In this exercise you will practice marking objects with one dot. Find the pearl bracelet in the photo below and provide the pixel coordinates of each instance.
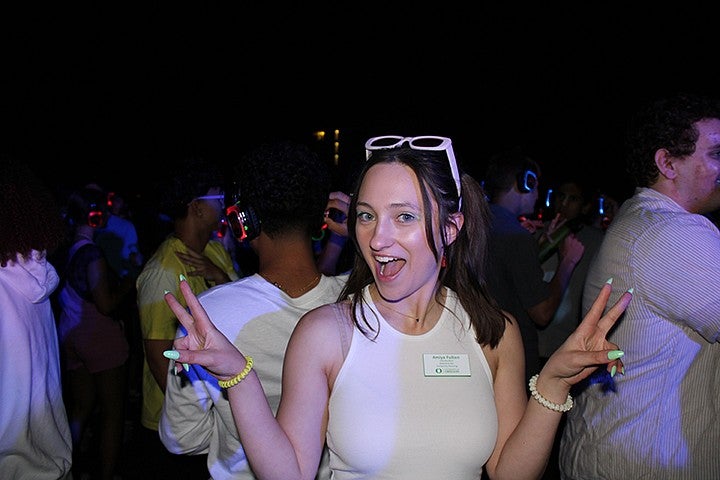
(240, 376)
(544, 401)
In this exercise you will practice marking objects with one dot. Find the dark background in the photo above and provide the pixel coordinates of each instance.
(118, 92)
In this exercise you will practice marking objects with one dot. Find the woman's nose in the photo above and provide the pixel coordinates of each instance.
(382, 236)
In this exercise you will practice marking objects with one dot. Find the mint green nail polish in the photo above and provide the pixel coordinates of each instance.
(182, 277)
(613, 371)
(186, 366)
(609, 281)
(165, 292)
(622, 369)
(615, 354)
(631, 290)
(171, 354)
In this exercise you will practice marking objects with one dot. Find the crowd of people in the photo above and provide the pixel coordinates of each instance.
(256, 349)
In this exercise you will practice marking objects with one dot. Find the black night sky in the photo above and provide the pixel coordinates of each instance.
(116, 92)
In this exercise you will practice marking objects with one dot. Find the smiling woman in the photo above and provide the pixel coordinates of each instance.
(414, 322)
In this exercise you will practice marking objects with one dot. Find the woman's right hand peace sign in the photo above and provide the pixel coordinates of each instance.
(204, 344)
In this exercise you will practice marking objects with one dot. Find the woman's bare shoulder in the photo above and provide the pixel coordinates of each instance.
(326, 321)
(327, 313)
(326, 331)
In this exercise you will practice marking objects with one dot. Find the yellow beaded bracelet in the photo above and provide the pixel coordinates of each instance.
(544, 401)
(240, 376)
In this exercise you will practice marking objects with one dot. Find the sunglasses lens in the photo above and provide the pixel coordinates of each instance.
(427, 142)
(385, 142)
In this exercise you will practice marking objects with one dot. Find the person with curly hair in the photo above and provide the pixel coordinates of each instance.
(35, 439)
(660, 419)
(284, 191)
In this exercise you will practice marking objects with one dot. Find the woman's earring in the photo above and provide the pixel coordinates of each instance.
(443, 261)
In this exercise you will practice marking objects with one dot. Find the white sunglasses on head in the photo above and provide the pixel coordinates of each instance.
(425, 142)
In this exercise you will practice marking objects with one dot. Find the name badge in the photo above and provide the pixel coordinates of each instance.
(446, 364)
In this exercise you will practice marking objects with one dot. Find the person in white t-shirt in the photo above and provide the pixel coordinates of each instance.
(284, 192)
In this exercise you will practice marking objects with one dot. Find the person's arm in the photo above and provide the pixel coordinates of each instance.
(330, 255)
(685, 285)
(291, 445)
(526, 428)
(157, 363)
(107, 295)
(338, 233)
(571, 251)
(201, 266)
(131, 251)
(157, 322)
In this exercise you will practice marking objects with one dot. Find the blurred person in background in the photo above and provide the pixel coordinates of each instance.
(35, 439)
(515, 276)
(333, 252)
(572, 207)
(575, 206)
(94, 345)
(118, 240)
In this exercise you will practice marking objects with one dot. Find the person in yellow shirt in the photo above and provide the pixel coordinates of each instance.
(195, 202)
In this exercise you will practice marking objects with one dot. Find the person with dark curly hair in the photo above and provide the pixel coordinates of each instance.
(284, 191)
(660, 419)
(35, 440)
(193, 198)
